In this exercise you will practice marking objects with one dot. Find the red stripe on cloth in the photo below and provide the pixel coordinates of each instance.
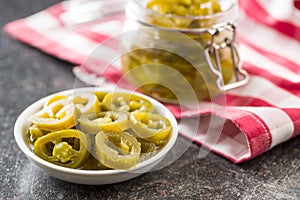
(113, 74)
(101, 39)
(56, 10)
(231, 99)
(96, 37)
(287, 85)
(38, 40)
(271, 55)
(234, 100)
(176, 110)
(297, 4)
(257, 132)
(255, 11)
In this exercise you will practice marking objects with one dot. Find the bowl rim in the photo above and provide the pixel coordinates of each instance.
(19, 135)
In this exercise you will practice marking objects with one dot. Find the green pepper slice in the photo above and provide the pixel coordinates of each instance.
(100, 95)
(54, 98)
(117, 150)
(149, 126)
(185, 7)
(87, 102)
(36, 132)
(105, 121)
(67, 148)
(118, 101)
(59, 115)
(148, 149)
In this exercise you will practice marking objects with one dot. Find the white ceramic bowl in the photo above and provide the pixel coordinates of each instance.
(91, 177)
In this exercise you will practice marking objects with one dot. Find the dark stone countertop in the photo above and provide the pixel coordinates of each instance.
(27, 75)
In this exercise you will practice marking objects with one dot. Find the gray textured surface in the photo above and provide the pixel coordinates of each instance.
(27, 74)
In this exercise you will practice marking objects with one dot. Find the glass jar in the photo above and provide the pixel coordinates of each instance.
(166, 53)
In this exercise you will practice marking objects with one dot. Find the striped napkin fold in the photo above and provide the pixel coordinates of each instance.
(258, 116)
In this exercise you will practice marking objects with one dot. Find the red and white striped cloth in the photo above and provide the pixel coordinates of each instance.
(259, 115)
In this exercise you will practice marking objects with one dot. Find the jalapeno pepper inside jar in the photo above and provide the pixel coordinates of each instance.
(160, 27)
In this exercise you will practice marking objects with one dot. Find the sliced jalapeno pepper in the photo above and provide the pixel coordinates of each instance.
(118, 101)
(87, 103)
(100, 95)
(54, 98)
(149, 126)
(67, 148)
(59, 115)
(118, 150)
(36, 132)
(184, 7)
(148, 149)
(105, 121)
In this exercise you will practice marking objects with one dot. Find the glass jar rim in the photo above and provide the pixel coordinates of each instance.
(231, 7)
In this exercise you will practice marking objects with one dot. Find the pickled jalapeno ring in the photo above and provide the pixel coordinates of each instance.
(87, 102)
(118, 101)
(67, 148)
(149, 126)
(105, 121)
(148, 149)
(185, 7)
(59, 115)
(171, 12)
(36, 132)
(117, 150)
(100, 95)
(55, 98)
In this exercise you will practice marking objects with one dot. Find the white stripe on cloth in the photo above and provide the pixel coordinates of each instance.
(108, 28)
(204, 107)
(64, 37)
(42, 21)
(68, 38)
(235, 147)
(263, 89)
(251, 56)
(282, 10)
(280, 124)
(268, 39)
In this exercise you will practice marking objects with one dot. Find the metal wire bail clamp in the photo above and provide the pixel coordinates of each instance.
(212, 51)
